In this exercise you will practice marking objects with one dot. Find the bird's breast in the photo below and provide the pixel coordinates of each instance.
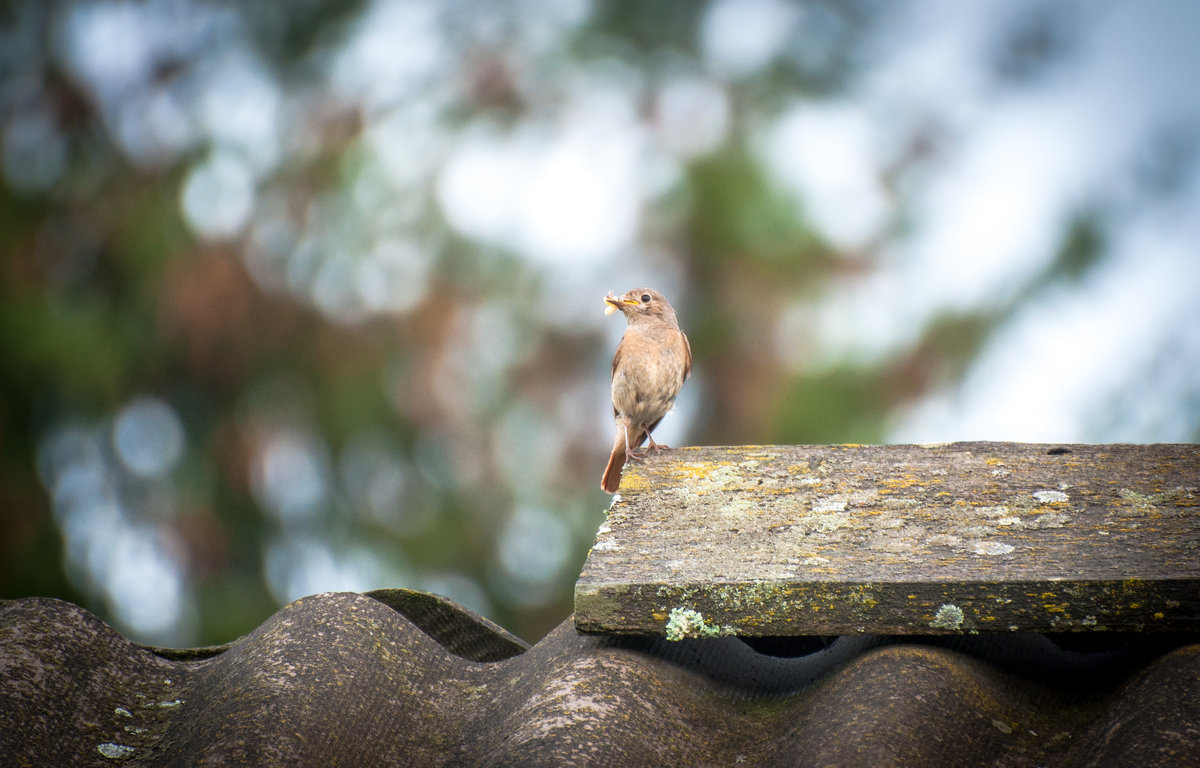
(649, 375)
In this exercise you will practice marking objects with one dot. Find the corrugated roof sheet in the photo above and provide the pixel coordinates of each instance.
(404, 678)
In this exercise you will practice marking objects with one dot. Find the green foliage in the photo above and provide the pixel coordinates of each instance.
(842, 405)
(738, 215)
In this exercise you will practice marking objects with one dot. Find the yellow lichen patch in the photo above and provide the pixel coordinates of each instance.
(695, 477)
(900, 483)
(701, 470)
(635, 481)
(1133, 586)
(864, 596)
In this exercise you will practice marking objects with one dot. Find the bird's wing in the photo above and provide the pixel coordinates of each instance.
(687, 356)
(616, 360)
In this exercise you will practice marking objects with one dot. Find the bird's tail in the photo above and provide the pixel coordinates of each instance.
(611, 481)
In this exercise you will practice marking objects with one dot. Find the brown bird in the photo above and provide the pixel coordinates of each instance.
(652, 362)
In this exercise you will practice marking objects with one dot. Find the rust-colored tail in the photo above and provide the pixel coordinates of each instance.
(611, 481)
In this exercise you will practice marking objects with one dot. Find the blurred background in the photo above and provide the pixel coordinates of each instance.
(306, 296)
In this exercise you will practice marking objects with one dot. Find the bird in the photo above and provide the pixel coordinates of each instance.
(652, 361)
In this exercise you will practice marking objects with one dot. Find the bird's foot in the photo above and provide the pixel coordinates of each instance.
(656, 447)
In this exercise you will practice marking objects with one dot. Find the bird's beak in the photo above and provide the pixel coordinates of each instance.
(611, 303)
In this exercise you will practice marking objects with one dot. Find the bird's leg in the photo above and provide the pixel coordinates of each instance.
(631, 454)
(655, 447)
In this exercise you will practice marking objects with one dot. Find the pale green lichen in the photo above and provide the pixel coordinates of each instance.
(829, 505)
(1051, 497)
(992, 548)
(686, 622)
(1051, 520)
(1171, 496)
(738, 507)
(948, 616)
(114, 751)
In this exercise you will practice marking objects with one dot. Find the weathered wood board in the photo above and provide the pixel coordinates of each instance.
(899, 539)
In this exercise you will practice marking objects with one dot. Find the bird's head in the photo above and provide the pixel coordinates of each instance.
(640, 304)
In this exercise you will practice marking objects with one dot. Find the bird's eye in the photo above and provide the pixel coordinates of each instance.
(645, 298)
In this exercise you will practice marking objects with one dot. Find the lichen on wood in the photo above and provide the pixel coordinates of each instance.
(842, 539)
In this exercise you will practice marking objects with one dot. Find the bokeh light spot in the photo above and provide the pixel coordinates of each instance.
(740, 37)
(148, 437)
(218, 196)
(533, 547)
(291, 475)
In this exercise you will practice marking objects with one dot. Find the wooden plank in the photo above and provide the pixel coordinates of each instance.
(899, 539)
